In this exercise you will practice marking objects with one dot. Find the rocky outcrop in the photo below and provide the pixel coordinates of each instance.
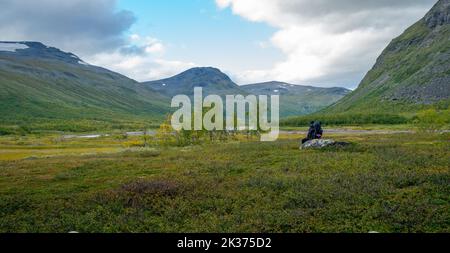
(439, 15)
(413, 70)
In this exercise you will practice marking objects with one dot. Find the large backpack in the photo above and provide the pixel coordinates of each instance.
(318, 129)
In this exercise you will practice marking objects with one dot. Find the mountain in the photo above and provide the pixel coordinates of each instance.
(45, 88)
(413, 71)
(41, 83)
(296, 99)
(212, 80)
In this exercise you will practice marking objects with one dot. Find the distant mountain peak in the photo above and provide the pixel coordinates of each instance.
(204, 70)
(37, 50)
(209, 72)
(212, 80)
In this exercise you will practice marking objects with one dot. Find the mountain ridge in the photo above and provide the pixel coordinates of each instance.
(412, 72)
(297, 99)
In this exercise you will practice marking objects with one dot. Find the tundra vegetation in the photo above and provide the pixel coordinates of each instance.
(165, 183)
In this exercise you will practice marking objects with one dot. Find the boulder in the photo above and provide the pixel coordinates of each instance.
(321, 143)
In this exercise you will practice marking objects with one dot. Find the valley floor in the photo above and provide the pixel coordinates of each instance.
(385, 182)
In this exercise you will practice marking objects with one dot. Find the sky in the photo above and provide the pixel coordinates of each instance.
(322, 42)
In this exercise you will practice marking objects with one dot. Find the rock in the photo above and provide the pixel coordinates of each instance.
(322, 143)
(318, 143)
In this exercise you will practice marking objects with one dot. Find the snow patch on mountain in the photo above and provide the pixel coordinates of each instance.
(12, 47)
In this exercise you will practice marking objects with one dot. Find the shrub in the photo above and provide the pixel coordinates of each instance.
(6, 131)
(165, 134)
(432, 120)
(157, 187)
(142, 193)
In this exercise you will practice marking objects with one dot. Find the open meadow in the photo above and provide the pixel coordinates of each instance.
(382, 182)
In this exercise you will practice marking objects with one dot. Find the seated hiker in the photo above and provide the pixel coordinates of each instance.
(315, 131)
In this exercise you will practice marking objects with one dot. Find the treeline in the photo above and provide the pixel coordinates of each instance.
(346, 119)
(433, 118)
(385, 114)
(73, 126)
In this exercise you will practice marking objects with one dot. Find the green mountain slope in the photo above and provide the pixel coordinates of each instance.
(40, 83)
(296, 99)
(411, 73)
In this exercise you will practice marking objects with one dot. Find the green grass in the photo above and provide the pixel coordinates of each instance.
(386, 183)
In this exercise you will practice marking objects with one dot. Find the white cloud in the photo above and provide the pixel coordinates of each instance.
(326, 42)
(94, 30)
(156, 48)
(81, 26)
(148, 44)
(135, 37)
(142, 60)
